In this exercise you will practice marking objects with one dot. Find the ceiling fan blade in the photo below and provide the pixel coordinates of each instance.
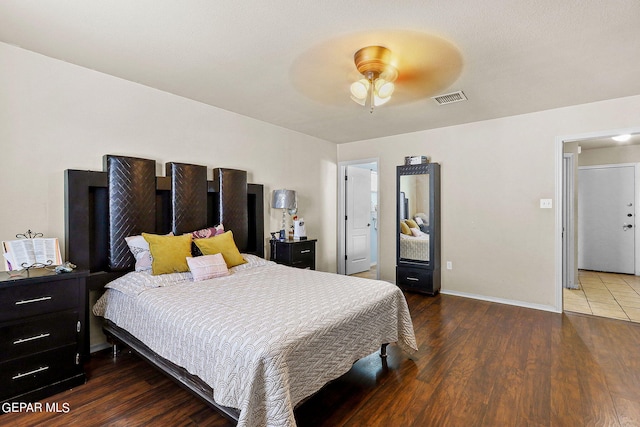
(427, 64)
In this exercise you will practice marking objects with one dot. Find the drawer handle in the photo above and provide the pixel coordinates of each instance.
(29, 301)
(305, 251)
(37, 337)
(26, 374)
(414, 279)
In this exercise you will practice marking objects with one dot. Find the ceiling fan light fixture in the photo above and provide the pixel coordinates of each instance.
(360, 89)
(361, 101)
(377, 101)
(374, 63)
(384, 89)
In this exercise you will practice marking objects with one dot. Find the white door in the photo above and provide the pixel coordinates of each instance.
(606, 218)
(358, 221)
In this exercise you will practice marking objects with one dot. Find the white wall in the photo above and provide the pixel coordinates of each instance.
(494, 174)
(56, 116)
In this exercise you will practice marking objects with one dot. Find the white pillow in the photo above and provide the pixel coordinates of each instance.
(207, 267)
(139, 247)
(140, 250)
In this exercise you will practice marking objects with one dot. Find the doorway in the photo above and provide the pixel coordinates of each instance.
(606, 205)
(358, 218)
(599, 287)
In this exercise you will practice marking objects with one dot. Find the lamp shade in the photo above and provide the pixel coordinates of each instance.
(283, 199)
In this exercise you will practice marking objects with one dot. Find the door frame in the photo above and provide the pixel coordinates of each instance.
(569, 235)
(342, 194)
(559, 193)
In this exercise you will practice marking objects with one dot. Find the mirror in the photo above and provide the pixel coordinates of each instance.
(414, 211)
(418, 241)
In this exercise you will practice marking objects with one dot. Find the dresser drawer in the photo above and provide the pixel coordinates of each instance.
(21, 338)
(295, 253)
(20, 301)
(31, 372)
(415, 279)
(303, 254)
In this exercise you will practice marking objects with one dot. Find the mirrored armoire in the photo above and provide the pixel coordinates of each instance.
(418, 234)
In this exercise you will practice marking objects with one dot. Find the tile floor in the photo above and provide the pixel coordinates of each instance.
(610, 295)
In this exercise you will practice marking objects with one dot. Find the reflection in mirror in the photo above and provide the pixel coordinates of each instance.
(414, 209)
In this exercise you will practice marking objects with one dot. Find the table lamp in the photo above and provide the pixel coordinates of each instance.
(285, 200)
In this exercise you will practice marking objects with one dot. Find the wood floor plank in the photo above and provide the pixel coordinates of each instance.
(566, 403)
(479, 364)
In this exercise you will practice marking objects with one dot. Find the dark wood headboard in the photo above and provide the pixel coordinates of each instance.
(101, 208)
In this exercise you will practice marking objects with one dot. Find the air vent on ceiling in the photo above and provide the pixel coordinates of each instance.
(450, 98)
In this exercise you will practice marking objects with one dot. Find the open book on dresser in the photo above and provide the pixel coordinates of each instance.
(21, 253)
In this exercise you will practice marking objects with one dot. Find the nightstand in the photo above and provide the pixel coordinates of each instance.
(294, 253)
(43, 333)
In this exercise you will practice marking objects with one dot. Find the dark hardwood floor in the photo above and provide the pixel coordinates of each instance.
(479, 364)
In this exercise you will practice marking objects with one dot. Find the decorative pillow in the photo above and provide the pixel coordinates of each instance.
(140, 250)
(411, 223)
(404, 228)
(416, 232)
(222, 244)
(207, 232)
(423, 217)
(207, 267)
(169, 253)
(418, 220)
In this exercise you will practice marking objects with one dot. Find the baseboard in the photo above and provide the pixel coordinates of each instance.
(502, 301)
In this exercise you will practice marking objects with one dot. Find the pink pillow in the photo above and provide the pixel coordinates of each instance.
(416, 232)
(207, 267)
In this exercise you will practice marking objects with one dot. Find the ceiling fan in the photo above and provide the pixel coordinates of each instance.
(369, 68)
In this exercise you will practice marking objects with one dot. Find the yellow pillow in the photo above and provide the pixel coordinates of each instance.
(221, 244)
(404, 228)
(411, 223)
(169, 253)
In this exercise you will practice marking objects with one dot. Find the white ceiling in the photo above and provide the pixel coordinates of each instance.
(595, 143)
(258, 58)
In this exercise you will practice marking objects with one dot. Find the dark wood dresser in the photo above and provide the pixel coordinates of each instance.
(294, 253)
(43, 333)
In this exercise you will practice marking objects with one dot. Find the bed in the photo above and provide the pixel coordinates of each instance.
(414, 247)
(252, 344)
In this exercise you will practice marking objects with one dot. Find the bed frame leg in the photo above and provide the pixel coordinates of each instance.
(114, 344)
(383, 351)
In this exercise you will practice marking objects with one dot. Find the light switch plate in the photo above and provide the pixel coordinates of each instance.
(546, 203)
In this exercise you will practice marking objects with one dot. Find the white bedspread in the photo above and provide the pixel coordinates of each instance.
(414, 247)
(265, 337)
